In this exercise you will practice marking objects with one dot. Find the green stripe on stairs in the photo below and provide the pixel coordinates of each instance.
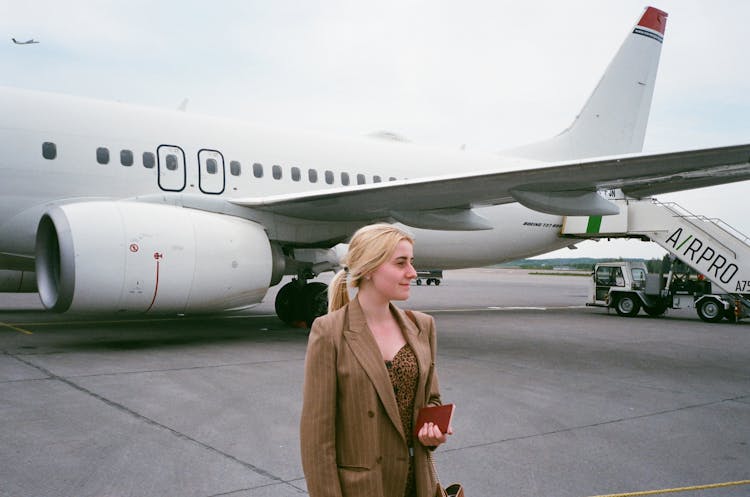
(595, 222)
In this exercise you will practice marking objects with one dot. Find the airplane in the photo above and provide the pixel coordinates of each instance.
(108, 207)
(27, 42)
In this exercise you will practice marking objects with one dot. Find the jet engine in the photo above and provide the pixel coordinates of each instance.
(106, 256)
(17, 281)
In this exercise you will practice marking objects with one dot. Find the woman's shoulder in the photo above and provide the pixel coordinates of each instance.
(331, 322)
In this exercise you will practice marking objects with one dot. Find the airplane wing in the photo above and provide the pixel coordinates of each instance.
(563, 188)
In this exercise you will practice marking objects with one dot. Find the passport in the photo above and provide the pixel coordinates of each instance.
(440, 415)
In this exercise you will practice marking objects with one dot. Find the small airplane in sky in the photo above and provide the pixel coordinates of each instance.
(106, 207)
(27, 42)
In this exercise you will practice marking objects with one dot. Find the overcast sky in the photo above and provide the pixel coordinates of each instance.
(485, 74)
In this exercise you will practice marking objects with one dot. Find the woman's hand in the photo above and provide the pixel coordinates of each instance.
(430, 435)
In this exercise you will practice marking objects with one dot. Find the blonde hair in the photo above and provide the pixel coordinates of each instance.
(369, 247)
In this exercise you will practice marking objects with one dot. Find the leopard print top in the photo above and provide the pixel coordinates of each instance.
(404, 373)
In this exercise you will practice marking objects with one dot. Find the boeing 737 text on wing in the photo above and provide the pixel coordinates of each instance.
(108, 207)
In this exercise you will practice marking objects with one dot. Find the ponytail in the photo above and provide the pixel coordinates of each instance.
(338, 293)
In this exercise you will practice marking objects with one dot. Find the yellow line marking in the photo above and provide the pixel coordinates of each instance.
(21, 330)
(505, 308)
(144, 320)
(680, 489)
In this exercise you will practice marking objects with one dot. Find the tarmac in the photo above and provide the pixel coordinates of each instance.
(553, 399)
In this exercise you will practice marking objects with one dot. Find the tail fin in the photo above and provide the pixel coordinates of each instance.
(613, 120)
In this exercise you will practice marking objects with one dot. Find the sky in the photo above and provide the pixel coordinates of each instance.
(486, 75)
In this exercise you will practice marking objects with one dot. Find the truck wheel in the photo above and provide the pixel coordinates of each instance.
(627, 305)
(656, 310)
(437, 282)
(710, 311)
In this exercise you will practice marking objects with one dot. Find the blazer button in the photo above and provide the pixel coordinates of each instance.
(371, 414)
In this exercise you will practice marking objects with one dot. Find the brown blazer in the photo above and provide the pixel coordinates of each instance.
(351, 434)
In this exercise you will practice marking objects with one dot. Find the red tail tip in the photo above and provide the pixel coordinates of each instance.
(654, 19)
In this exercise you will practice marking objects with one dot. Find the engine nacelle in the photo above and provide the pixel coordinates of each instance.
(129, 256)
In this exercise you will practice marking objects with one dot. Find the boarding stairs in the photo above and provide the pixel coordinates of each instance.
(709, 246)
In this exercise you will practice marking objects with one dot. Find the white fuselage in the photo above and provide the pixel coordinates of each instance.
(174, 154)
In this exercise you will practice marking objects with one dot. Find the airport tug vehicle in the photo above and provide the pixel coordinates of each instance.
(628, 287)
(430, 277)
(707, 266)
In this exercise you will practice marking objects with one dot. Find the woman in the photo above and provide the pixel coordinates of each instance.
(369, 368)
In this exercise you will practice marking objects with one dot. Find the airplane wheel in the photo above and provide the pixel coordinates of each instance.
(314, 301)
(627, 305)
(710, 311)
(299, 304)
(287, 303)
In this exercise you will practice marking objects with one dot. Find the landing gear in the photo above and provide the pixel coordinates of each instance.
(298, 303)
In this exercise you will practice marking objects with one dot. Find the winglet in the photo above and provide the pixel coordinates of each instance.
(654, 19)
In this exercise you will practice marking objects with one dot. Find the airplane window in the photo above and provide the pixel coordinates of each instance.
(126, 158)
(312, 175)
(149, 161)
(376, 179)
(49, 150)
(258, 170)
(276, 171)
(329, 177)
(211, 166)
(102, 155)
(235, 168)
(296, 174)
(345, 179)
(171, 162)
(391, 179)
(361, 179)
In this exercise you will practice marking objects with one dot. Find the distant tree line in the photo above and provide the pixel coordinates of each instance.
(578, 264)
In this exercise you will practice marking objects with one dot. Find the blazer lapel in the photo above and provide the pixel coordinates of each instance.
(366, 350)
(420, 344)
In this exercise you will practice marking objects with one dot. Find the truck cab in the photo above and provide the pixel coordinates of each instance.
(630, 275)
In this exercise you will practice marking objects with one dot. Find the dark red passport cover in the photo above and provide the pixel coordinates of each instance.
(440, 415)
